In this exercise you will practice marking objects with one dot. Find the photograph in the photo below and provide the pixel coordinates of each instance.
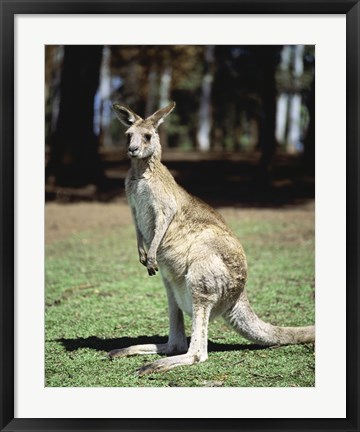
(179, 216)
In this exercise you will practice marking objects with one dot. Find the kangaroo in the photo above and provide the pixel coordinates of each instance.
(202, 264)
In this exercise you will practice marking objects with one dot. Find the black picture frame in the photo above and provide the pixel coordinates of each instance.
(9, 8)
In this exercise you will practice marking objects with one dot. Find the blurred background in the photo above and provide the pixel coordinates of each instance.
(243, 130)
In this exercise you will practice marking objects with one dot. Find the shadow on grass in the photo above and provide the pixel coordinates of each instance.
(96, 343)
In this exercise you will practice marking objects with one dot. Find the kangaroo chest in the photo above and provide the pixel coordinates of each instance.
(141, 200)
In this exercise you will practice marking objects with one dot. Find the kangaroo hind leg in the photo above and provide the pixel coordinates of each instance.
(197, 351)
(176, 344)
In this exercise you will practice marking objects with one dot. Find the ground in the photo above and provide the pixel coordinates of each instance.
(98, 298)
(65, 220)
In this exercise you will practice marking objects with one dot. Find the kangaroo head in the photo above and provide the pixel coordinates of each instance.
(142, 135)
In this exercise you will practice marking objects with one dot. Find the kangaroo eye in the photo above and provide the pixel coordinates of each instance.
(128, 137)
(147, 137)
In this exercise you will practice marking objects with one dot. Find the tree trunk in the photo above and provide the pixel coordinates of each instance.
(74, 158)
(152, 91)
(294, 137)
(205, 123)
(283, 99)
(295, 124)
(165, 85)
(269, 60)
(54, 60)
(164, 98)
(103, 103)
(281, 117)
(309, 143)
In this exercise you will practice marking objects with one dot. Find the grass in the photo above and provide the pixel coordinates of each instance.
(98, 297)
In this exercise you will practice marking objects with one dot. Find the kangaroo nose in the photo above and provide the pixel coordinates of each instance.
(133, 149)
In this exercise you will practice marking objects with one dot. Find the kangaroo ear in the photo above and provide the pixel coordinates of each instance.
(125, 114)
(158, 117)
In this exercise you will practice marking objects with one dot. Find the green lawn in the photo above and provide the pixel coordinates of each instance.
(99, 297)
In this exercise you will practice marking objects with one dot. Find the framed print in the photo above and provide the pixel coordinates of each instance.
(264, 128)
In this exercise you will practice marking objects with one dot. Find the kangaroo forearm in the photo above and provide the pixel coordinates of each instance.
(140, 240)
(141, 248)
(160, 229)
(156, 242)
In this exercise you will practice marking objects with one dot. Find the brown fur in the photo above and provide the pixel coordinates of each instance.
(202, 263)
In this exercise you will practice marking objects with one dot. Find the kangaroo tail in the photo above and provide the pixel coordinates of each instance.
(245, 321)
